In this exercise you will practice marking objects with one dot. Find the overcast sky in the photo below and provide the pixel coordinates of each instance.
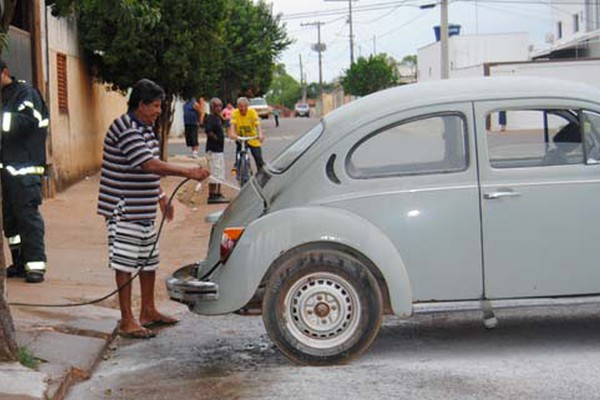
(398, 28)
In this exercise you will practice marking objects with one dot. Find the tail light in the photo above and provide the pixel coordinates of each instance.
(229, 240)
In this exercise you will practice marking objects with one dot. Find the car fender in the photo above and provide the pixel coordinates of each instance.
(270, 236)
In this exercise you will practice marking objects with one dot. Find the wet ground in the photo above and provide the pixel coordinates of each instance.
(537, 354)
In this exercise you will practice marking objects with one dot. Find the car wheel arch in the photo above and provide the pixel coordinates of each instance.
(384, 260)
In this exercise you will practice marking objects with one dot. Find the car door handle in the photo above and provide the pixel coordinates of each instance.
(497, 195)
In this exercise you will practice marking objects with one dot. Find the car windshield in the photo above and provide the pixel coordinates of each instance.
(302, 106)
(258, 102)
(285, 160)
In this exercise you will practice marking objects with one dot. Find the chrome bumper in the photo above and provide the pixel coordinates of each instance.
(184, 287)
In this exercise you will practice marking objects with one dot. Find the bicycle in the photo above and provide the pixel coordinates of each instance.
(242, 162)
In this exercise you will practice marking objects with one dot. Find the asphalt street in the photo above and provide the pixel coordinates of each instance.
(536, 354)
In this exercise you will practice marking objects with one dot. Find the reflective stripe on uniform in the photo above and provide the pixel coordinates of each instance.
(6, 121)
(42, 123)
(14, 240)
(25, 171)
(35, 266)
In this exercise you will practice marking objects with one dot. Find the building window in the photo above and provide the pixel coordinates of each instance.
(61, 74)
(559, 30)
(575, 23)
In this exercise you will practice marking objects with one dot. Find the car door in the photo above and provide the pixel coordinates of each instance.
(414, 176)
(540, 187)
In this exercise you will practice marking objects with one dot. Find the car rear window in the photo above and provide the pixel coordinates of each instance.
(289, 156)
(431, 144)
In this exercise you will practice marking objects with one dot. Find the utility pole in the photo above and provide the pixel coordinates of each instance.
(374, 45)
(319, 48)
(302, 85)
(351, 29)
(444, 39)
(351, 33)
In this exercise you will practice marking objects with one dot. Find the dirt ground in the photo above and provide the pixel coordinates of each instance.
(76, 245)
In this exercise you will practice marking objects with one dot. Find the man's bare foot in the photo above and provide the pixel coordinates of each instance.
(133, 330)
(156, 319)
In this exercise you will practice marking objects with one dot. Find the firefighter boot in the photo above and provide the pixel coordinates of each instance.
(35, 271)
(17, 269)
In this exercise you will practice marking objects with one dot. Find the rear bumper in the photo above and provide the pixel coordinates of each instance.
(184, 287)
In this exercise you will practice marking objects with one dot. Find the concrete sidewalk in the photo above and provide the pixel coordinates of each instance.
(69, 342)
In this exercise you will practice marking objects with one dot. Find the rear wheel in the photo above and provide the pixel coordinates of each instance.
(322, 307)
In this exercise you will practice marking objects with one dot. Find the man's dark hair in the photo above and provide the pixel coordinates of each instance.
(2, 65)
(145, 91)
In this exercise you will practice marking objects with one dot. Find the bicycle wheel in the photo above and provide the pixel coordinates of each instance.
(244, 170)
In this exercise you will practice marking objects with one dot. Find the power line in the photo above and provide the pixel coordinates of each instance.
(357, 9)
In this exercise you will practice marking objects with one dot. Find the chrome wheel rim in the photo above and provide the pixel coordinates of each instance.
(322, 310)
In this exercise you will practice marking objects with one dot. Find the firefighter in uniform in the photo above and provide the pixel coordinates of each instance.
(23, 158)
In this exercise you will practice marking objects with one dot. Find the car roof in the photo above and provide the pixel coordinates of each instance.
(457, 90)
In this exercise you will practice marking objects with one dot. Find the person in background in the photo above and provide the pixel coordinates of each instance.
(128, 197)
(246, 123)
(24, 130)
(226, 115)
(191, 119)
(276, 116)
(215, 142)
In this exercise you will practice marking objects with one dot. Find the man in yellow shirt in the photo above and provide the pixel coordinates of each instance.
(246, 123)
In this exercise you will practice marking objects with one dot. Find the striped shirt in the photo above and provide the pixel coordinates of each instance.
(127, 191)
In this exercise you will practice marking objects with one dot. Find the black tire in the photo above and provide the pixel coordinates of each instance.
(244, 170)
(302, 309)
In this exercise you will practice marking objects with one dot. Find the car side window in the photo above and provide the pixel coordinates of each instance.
(433, 144)
(534, 138)
(591, 133)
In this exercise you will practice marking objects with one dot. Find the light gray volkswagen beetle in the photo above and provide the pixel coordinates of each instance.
(459, 194)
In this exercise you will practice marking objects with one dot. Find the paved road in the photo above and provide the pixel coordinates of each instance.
(542, 354)
(277, 138)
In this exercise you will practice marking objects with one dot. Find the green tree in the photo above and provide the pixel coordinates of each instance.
(254, 39)
(8, 341)
(411, 62)
(284, 90)
(312, 89)
(369, 75)
(172, 42)
(189, 47)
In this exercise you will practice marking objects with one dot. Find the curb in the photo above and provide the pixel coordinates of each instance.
(70, 345)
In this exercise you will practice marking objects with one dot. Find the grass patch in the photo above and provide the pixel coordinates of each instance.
(27, 359)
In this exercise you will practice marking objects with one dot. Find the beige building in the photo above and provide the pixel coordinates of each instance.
(44, 51)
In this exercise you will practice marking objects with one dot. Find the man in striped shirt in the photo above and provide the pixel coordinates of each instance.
(129, 194)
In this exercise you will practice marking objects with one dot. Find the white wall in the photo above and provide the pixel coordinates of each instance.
(471, 50)
(586, 71)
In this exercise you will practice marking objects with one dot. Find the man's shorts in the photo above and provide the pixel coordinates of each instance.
(191, 135)
(216, 164)
(129, 245)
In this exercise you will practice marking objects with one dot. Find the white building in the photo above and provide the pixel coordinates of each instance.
(466, 52)
(576, 30)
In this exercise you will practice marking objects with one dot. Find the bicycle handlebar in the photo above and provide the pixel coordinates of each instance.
(246, 138)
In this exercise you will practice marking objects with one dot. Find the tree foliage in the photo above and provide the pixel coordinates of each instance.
(253, 40)
(284, 90)
(411, 62)
(369, 75)
(189, 47)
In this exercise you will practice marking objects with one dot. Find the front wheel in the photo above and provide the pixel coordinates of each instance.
(243, 169)
(322, 307)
